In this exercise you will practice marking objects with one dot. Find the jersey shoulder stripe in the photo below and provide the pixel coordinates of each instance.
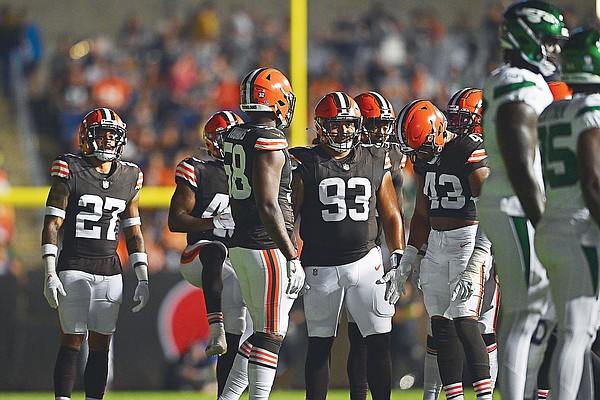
(511, 87)
(388, 162)
(129, 164)
(186, 172)
(60, 168)
(585, 110)
(270, 144)
(140, 180)
(477, 156)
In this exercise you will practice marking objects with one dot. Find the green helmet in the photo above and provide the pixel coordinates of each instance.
(580, 59)
(527, 26)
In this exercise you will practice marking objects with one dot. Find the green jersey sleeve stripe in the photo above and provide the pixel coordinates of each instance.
(587, 109)
(502, 90)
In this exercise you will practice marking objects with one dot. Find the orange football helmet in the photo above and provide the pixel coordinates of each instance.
(464, 111)
(215, 128)
(421, 131)
(94, 130)
(338, 121)
(267, 89)
(378, 117)
(560, 90)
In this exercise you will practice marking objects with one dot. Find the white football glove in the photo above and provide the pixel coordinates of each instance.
(415, 277)
(142, 291)
(465, 282)
(296, 277)
(396, 277)
(223, 223)
(52, 286)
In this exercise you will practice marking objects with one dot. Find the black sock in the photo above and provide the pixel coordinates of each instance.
(316, 369)
(357, 363)
(449, 350)
(212, 257)
(65, 370)
(379, 366)
(225, 361)
(478, 360)
(96, 373)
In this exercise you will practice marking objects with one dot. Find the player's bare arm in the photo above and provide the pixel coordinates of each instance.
(58, 198)
(180, 212)
(297, 193)
(476, 179)
(517, 140)
(265, 181)
(419, 224)
(588, 166)
(398, 180)
(133, 234)
(389, 214)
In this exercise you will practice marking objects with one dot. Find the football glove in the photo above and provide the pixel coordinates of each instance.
(415, 277)
(52, 286)
(142, 291)
(296, 277)
(396, 277)
(466, 281)
(223, 223)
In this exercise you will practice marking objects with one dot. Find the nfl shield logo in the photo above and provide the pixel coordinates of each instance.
(105, 184)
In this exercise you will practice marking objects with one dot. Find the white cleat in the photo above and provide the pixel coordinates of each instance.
(217, 344)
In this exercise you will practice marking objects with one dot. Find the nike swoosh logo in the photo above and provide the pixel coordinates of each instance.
(464, 244)
(377, 267)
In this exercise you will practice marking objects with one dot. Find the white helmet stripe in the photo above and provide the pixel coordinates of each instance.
(457, 96)
(250, 85)
(342, 99)
(230, 117)
(383, 102)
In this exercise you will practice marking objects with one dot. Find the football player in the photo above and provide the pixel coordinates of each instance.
(377, 124)
(463, 112)
(91, 197)
(450, 171)
(338, 188)
(263, 248)
(513, 200)
(568, 236)
(200, 207)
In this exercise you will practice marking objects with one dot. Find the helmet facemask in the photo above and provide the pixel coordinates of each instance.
(331, 132)
(378, 130)
(462, 121)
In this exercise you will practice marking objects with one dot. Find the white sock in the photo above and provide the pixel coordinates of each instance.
(237, 381)
(493, 354)
(432, 383)
(262, 367)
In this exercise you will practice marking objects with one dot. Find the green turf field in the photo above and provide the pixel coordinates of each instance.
(276, 395)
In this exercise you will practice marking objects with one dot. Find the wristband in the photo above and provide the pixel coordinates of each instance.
(128, 222)
(138, 258)
(55, 212)
(49, 249)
